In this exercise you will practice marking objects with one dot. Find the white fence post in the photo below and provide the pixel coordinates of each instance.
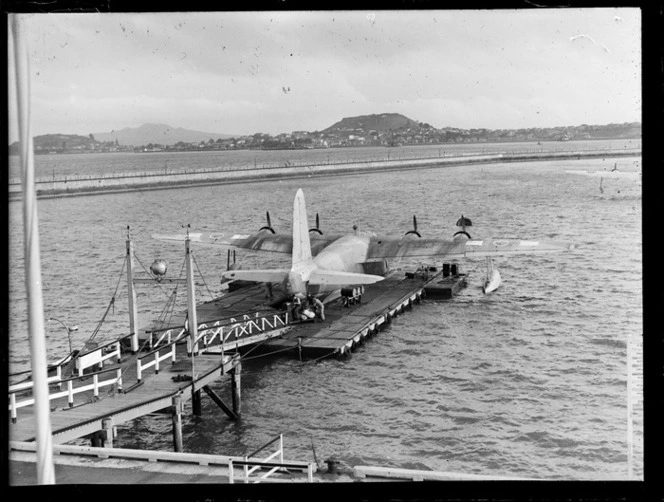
(12, 405)
(70, 389)
(281, 448)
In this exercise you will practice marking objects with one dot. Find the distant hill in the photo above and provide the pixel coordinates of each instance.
(47, 143)
(161, 134)
(380, 123)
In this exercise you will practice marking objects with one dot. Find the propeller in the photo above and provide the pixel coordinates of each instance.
(414, 230)
(269, 225)
(317, 229)
(463, 222)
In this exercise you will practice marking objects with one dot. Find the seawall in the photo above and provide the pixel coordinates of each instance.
(122, 182)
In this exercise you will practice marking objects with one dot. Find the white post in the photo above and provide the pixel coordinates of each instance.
(281, 448)
(33, 281)
(12, 406)
(191, 303)
(119, 378)
(131, 294)
(70, 393)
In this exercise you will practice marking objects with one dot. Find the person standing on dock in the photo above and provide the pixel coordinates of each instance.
(318, 306)
(297, 308)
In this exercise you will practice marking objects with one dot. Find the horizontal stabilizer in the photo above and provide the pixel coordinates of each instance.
(274, 275)
(333, 278)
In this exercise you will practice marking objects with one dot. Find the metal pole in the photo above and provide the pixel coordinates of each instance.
(33, 281)
(131, 294)
(69, 330)
(191, 298)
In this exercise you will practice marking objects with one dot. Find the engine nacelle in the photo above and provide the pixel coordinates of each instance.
(379, 267)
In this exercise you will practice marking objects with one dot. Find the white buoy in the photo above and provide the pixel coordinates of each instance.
(492, 279)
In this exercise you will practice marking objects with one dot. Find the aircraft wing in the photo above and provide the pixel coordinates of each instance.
(260, 241)
(381, 247)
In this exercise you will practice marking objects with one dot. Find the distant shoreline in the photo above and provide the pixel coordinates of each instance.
(77, 186)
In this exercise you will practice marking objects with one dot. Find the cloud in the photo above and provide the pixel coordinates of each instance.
(228, 70)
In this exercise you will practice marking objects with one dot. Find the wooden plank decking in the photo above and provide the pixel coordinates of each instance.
(156, 393)
(344, 328)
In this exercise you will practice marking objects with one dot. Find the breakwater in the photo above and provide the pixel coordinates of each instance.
(120, 182)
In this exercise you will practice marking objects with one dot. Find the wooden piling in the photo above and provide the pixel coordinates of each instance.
(196, 402)
(235, 384)
(177, 423)
(213, 395)
(95, 440)
(107, 433)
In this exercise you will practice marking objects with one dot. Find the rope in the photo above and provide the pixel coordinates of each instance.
(202, 277)
(111, 303)
(169, 304)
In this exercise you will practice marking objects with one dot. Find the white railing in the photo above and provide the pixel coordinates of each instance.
(16, 403)
(251, 466)
(29, 384)
(247, 326)
(98, 355)
(167, 336)
(151, 457)
(154, 358)
(220, 331)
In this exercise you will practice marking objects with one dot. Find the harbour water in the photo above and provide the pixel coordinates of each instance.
(527, 381)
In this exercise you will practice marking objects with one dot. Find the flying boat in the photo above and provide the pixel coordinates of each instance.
(322, 265)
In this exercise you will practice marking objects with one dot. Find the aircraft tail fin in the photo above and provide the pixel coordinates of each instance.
(301, 242)
(333, 278)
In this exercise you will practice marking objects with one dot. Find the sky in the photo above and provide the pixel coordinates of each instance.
(242, 73)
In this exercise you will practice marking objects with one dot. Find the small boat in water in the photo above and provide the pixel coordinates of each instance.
(492, 279)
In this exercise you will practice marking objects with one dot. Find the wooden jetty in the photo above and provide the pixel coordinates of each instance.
(159, 368)
(94, 390)
(348, 321)
(92, 405)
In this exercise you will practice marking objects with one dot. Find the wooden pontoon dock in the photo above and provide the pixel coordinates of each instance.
(159, 368)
